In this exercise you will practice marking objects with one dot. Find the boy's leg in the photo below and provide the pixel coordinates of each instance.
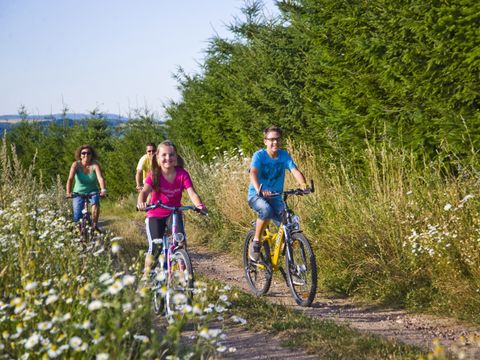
(265, 212)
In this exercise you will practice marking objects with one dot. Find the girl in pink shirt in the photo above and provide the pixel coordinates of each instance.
(165, 182)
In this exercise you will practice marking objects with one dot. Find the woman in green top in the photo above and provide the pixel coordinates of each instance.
(87, 173)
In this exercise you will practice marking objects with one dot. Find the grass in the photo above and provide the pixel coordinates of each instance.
(392, 229)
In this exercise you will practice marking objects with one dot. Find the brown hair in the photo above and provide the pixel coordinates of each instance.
(270, 129)
(88, 147)
(156, 167)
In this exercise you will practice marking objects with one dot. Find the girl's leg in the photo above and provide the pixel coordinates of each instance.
(155, 229)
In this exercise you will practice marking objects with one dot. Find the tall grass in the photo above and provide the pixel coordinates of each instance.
(392, 229)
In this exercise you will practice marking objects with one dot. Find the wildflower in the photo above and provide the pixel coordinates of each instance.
(127, 307)
(141, 338)
(115, 247)
(238, 319)
(20, 307)
(447, 207)
(220, 308)
(104, 277)
(29, 314)
(128, 280)
(75, 343)
(53, 352)
(95, 305)
(160, 276)
(102, 356)
(87, 324)
(32, 341)
(31, 285)
(210, 333)
(179, 298)
(51, 299)
(44, 325)
(222, 349)
(115, 288)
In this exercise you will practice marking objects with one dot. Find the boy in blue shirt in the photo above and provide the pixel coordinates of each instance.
(268, 170)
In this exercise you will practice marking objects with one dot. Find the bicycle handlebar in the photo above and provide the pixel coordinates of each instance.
(159, 204)
(299, 192)
(84, 196)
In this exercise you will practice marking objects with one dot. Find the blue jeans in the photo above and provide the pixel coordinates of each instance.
(267, 208)
(78, 204)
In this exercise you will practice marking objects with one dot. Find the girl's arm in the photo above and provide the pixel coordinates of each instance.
(71, 176)
(142, 197)
(101, 180)
(195, 198)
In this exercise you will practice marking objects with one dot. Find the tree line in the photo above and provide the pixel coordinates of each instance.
(334, 73)
(51, 148)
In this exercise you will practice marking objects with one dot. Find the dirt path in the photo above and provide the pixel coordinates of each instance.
(414, 329)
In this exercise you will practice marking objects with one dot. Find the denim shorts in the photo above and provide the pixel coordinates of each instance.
(267, 208)
(78, 204)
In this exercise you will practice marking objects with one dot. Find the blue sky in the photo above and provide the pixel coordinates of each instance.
(114, 55)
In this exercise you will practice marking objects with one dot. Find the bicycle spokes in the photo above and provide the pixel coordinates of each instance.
(301, 270)
(258, 273)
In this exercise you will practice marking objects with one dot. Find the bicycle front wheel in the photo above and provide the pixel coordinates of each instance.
(180, 282)
(158, 281)
(258, 273)
(301, 270)
(86, 228)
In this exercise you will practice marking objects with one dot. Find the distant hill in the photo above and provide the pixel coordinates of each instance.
(9, 121)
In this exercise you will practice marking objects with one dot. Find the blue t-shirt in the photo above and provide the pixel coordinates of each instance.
(271, 172)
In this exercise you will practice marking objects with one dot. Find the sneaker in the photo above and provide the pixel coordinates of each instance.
(254, 250)
(297, 280)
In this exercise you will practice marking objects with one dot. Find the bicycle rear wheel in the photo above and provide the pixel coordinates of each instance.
(180, 283)
(259, 273)
(302, 270)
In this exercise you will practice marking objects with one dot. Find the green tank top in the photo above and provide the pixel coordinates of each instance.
(85, 183)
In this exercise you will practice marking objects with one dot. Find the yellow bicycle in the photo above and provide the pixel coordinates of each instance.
(288, 241)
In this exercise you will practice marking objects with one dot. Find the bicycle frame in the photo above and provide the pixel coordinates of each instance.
(173, 250)
(286, 228)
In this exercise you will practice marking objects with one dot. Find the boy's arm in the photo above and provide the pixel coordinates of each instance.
(299, 177)
(254, 178)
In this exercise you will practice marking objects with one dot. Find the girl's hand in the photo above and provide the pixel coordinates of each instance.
(203, 209)
(141, 206)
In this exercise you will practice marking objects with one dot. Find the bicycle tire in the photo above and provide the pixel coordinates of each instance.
(302, 274)
(179, 281)
(85, 228)
(258, 274)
